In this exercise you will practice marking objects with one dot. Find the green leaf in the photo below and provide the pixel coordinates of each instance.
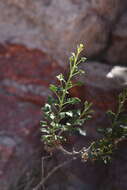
(62, 115)
(44, 130)
(60, 89)
(80, 48)
(52, 116)
(111, 114)
(71, 59)
(46, 136)
(72, 101)
(83, 59)
(79, 122)
(68, 124)
(53, 88)
(73, 54)
(47, 108)
(81, 132)
(87, 106)
(52, 100)
(69, 113)
(43, 123)
(53, 124)
(80, 72)
(70, 85)
(60, 77)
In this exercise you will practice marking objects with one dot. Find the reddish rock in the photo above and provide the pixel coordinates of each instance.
(58, 26)
(7, 150)
(24, 79)
(26, 73)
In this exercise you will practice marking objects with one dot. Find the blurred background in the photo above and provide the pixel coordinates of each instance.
(36, 38)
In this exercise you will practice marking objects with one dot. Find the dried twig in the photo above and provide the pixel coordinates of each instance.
(43, 170)
(74, 155)
(51, 173)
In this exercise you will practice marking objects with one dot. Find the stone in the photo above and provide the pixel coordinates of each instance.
(117, 50)
(119, 74)
(54, 33)
(56, 27)
(91, 26)
(48, 31)
(25, 75)
(29, 73)
(109, 9)
(19, 123)
(7, 150)
(37, 20)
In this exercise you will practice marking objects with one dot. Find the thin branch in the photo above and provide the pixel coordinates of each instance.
(74, 153)
(43, 171)
(67, 152)
(29, 184)
(51, 173)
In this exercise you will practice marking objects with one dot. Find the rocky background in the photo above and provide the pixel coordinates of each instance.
(36, 38)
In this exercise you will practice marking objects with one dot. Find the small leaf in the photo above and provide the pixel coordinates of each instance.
(68, 124)
(52, 100)
(60, 89)
(44, 130)
(87, 105)
(53, 88)
(71, 59)
(73, 54)
(80, 48)
(62, 115)
(81, 132)
(74, 100)
(43, 123)
(81, 72)
(47, 108)
(83, 59)
(60, 77)
(69, 113)
(124, 127)
(70, 85)
(111, 113)
(52, 116)
(79, 122)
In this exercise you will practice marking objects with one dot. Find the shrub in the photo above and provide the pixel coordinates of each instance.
(62, 118)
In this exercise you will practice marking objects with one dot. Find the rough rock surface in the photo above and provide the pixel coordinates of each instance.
(56, 26)
(116, 52)
(24, 79)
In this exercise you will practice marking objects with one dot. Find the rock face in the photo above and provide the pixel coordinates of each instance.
(57, 26)
(24, 78)
(116, 52)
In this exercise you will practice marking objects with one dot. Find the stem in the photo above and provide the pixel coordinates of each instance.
(51, 173)
(68, 81)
